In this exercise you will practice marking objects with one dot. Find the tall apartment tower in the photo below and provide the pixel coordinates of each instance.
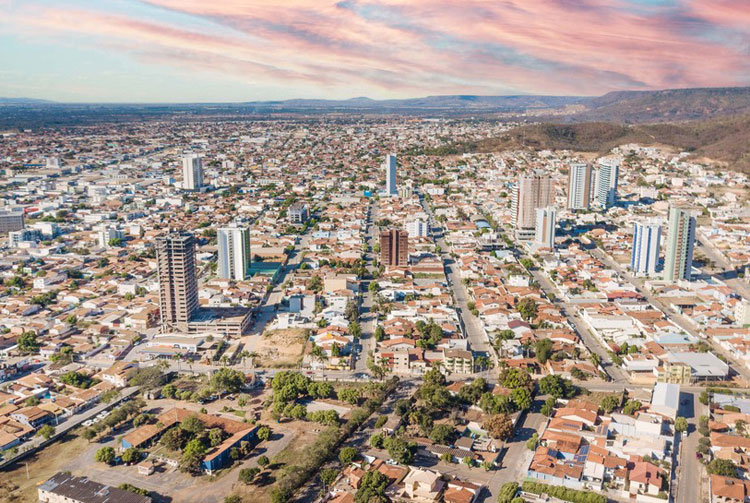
(530, 193)
(544, 233)
(394, 248)
(579, 186)
(192, 172)
(390, 175)
(678, 260)
(178, 287)
(12, 220)
(234, 252)
(645, 254)
(605, 188)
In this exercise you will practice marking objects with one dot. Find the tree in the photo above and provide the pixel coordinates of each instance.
(233, 498)
(374, 287)
(609, 403)
(434, 377)
(215, 436)
(522, 398)
(89, 434)
(379, 334)
(400, 450)
(377, 440)
(508, 491)
(193, 424)
(328, 476)
(527, 308)
(347, 455)
(173, 439)
(443, 434)
(631, 407)
(543, 350)
(723, 467)
(557, 386)
(264, 432)
(263, 461)
(27, 343)
(372, 488)
(105, 455)
(226, 380)
(533, 442)
(513, 377)
(247, 475)
(499, 426)
(46, 431)
(192, 455)
(350, 395)
(131, 455)
(680, 424)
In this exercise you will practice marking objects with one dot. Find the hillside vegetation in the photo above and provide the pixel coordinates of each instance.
(726, 140)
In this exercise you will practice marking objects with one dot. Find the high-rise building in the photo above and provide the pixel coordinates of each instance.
(544, 233)
(178, 287)
(417, 228)
(11, 221)
(390, 175)
(530, 193)
(192, 172)
(579, 186)
(646, 241)
(394, 247)
(605, 187)
(107, 233)
(234, 252)
(678, 260)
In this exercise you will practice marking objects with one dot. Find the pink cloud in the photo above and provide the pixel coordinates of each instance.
(434, 46)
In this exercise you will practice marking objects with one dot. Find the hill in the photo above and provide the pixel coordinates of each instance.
(724, 139)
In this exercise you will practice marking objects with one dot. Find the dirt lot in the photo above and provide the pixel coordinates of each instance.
(15, 487)
(280, 348)
(299, 435)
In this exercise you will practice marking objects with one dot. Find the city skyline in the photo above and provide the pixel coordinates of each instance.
(187, 51)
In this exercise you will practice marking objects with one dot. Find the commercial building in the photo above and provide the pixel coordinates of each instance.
(579, 186)
(390, 175)
(544, 233)
(646, 241)
(192, 172)
(530, 193)
(11, 221)
(234, 253)
(678, 260)
(178, 288)
(65, 488)
(394, 248)
(605, 187)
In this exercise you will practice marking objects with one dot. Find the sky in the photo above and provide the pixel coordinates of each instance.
(246, 50)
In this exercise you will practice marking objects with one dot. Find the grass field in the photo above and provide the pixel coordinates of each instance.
(16, 488)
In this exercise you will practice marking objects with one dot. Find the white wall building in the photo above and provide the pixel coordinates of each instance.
(646, 241)
(192, 172)
(234, 252)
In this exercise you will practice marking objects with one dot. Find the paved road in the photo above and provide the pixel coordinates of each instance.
(472, 326)
(69, 424)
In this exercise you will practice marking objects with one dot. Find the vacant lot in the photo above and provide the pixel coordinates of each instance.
(16, 488)
(280, 348)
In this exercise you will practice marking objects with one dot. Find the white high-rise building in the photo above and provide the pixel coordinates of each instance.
(544, 232)
(107, 234)
(605, 189)
(234, 253)
(678, 260)
(579, 186)
(192, 172)
(417, 228)
(390, 175)
(646, 241)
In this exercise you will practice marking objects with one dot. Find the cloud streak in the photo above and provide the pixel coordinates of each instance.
(412, 47)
